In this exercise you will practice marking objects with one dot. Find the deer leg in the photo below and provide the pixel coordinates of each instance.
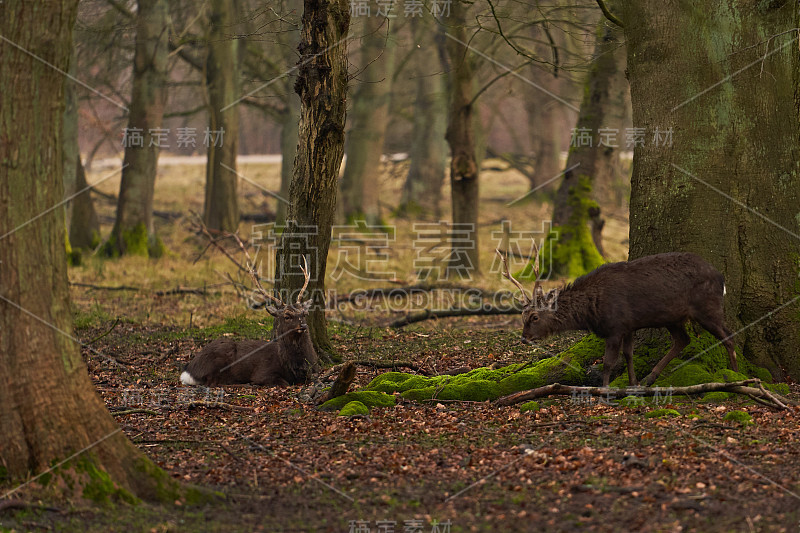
(627, 349)
(680, 340)
(610, 358)
(716, 328)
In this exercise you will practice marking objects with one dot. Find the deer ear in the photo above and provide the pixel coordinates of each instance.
(307, 304)
(274, 311)
(551, 299)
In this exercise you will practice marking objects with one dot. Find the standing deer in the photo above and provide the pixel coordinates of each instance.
(288, 359)
(616, 299)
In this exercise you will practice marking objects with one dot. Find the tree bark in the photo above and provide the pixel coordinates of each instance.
(84, 229)
(133, 229)
(48, 407)
(574, 252)
(422, 191)
(83, 226)
(288, 38)
(322, 86)
(290, 122)
(360, 184)
(543, 115)
(727, 188)
(224, 87)
(461, 137)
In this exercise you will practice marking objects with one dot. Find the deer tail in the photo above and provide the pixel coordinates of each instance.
(188, 379)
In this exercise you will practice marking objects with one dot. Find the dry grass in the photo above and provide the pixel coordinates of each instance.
(180, 189)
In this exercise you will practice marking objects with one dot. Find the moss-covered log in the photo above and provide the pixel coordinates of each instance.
(703, 361)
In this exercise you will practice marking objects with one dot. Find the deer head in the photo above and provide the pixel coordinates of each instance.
(290, 319)
(538, 311)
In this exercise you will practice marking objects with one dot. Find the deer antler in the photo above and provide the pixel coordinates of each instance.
(249, 265)
(510, 278)
(307, 275)
(537, 284)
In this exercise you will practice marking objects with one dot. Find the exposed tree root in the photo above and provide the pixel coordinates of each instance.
(346, 377)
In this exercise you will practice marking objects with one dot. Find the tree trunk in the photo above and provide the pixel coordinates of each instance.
(727, 188)
(84, 230)
(543, 121)
(422, 191)
(464, 169)
(133, 229)
(571, 249)
(48, 407)
(322, 86)
(360, 184)
(224, 88)
(83, 226)
(288, 37)
(290, 122)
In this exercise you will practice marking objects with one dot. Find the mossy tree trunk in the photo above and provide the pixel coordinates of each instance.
(422, 190)
(48, 407)
(728, 188)
(133, 231)
(224, 88)
(574, 252)
(322, 86)
(360, 184)
(461, 137)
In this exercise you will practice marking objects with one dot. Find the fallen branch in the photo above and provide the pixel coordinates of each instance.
(219, 405)
(105, 287)
(103, 334)
(134, 411)
(19, 504)
(176, 290)
(391, 364)
(388, 292)
(739, 387)
(463, 311)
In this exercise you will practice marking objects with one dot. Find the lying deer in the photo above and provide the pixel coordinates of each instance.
(288, 359)
(616, 299)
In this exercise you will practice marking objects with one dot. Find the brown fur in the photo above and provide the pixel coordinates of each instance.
(287, 360)
(616, 299)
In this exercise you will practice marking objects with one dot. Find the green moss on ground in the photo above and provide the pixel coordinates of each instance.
(529, 406)
(661, 413)
(483, 384)
(354, 408)
(367, 398)
(739, 416)
(703, 361)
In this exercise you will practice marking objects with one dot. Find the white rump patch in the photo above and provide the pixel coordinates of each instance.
(187, 379)
(724, 290)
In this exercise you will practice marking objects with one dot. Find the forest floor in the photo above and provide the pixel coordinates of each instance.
(439, 466)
